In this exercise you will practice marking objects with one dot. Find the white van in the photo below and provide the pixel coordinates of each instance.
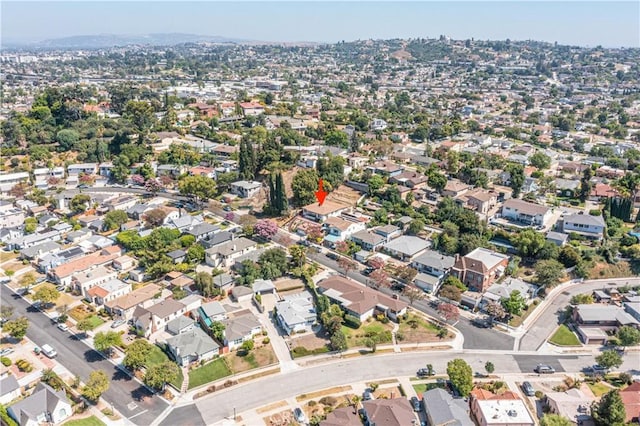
(49, 351)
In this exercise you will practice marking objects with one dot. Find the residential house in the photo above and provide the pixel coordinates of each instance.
(479, 200)
(223, 255)
(340, 228)
(455, 188)
(480, 268)
(9, 180)
(585, 225)
(505, 409)
(595, 321)
(410, 179)
(573, 404)
(8, 234)
(157, 316)
(386, 168)
(146, 296)
(9, 389)
(389, 232)
(344, 416)
(359, 300)
(211, 312)
(85, 280)
(296, 312)
(186, 222)
(191, 346)
(35, 252)
(202, 231)
(320, 213)
(499, 291)
(602, 191)
(45, 262)
(388, 412)
(435, 266)
(239, 328)
(82, 168)
(558, 238)
(44, 405)
(30, 240)
(180, 325)
(108, 291)
(63, 274)
(441, 409)
(124, 263)
(251, 108)
(631, 399)
(203, 171)
(406, 247)
(525, 212)
(368, 240)
(567, 187)
(245, 189)
(241, 293)
(11, 218)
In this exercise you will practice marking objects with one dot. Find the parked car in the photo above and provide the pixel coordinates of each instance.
(6, 351)
(333, 256)
(544, 369)
(597, 370)
(299, 415)
(368, 395)
(117, 323)
(415, 402)
(5, 280)
(480, 322)
(41, 280)
(49, 351)
(528, 389)
(62, 326)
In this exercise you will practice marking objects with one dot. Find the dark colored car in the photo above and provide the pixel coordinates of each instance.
(528, 389)
(333, 256)
(424, 372)
(480, 322)
(415, 402)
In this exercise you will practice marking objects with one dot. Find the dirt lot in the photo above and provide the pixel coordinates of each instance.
(311, 341)
(259, 357)
(285, 284)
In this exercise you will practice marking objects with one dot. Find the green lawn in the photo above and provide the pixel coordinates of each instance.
(358, 337)
(158, 356)
(95, 321)
(564, 337)
(88, 421)
(599, 388)
(423, 387)
(214, 370)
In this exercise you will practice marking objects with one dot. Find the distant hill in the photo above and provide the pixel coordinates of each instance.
(101, 41)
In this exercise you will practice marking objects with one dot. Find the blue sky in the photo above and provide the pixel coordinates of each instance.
(586, 23)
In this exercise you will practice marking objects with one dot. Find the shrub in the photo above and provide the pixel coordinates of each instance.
(539, 394)
(329, 400)
(352, 322)
(266, 341)
(5, 361)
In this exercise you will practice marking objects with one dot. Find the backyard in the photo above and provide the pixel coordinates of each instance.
(209, 372)
(564, 337)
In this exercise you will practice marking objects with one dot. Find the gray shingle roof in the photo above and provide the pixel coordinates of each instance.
(193, 342)
(443, 409)
(407, 245)
(435, 260)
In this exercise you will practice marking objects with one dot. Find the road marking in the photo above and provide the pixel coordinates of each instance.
(132, 406)
(136, 415)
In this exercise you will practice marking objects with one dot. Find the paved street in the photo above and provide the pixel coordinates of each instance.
(217, 406)
(82, 360)
(548, 318)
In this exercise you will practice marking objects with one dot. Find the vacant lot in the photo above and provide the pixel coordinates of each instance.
(417, 330)
(259, 357)
(369, 330)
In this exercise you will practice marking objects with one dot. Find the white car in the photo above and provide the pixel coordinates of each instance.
(62, 326)
(298, 414)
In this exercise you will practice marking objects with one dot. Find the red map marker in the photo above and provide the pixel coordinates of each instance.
(321, 194)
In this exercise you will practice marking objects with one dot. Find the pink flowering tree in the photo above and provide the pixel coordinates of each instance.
(265, 229)
(229, 216)
(152, 185)
(137, 179)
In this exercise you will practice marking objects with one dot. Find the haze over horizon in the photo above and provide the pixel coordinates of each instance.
(587, 23)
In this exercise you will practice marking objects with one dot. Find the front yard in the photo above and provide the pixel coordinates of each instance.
(158, 356)
(564, 337)
(87, 421)
(259, 357)
(209, 372)
(417, 330)
(369, 329)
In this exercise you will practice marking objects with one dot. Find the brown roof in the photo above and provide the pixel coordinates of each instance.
(101, 257)
(339, 223)
(134, 298)
(526, 207)
(483, 394)
(97, 291)
(631, 399)
(344, 416)
(389, 412)
(166, 308)
(360, 299)
(327, 207)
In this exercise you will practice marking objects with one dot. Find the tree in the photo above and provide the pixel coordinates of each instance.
(97, 384)
(204, 284)
(247, 163)
(158, 375)
(548, 272)
(85, 325)
(489, 367)
(217, 330)
(407, 273)
(278, 203)
(347, 265)
(448, 311)
(154, 218)
(374, 183)
(540, 160)
(6, 312)
(247, 346)
(27, 280)
(379, 278)
(266, 229)
(79, 203)
(582, 299)
(152, 185)
(628, 335)
(515, 303)
(376, 262)
(298, 255)
(461, 376)
(495, 311)
(450, 292)
(140, 114)
(16, 328)
(415, 227)
(104, 341)
(30, 225)
(273, 263)
(46, 294)
(114, 219)
(336, 138)
(528, 242)
(610, 410)
(200, 187)
(555, 420)
(338, 341)
(413, 294)
(516, 178)
(67, 139)
(437, 181)
(196, 254)
(304, 185)
(569, 256)
(136, 354)
(609, 359)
